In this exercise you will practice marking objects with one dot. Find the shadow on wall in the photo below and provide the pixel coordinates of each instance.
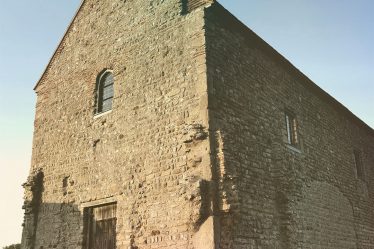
(323, 218)
(67, 225)
(57, 223)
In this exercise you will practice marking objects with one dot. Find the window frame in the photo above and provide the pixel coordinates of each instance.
(292, 129)
(360, 168)
(99, 92)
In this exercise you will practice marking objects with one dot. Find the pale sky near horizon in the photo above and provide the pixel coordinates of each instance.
(332, 42)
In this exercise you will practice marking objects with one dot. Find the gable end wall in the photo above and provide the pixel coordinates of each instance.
(149, 155)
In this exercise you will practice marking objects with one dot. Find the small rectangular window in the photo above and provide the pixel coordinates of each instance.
(359, 166)
(292, 133)
(101, 227)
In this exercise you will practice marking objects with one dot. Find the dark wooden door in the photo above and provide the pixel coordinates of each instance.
(102, 232)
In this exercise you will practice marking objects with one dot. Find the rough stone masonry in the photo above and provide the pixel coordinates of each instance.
(212, 140)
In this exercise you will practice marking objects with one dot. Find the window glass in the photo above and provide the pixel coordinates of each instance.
(105, 92)
(291, 126)
(359, 165)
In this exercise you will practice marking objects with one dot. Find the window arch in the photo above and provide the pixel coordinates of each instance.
(104, 92)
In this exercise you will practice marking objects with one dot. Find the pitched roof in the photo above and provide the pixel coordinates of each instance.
(60, 43)
(246, 31)
(194, 3)
(233, 22)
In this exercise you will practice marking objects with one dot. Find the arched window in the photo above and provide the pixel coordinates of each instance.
(104, 92)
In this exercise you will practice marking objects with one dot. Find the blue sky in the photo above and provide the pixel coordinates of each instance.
(29, 33)
(330, 41)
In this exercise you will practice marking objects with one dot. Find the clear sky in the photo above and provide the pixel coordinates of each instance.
(332, 42)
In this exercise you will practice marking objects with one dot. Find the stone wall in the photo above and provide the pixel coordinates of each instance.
(194, 151)
(150, 154)
(272, 194)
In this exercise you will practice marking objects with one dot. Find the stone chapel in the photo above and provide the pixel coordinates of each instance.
(169, 124)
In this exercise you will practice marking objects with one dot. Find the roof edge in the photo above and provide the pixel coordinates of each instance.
(305, 80)
(60, 43)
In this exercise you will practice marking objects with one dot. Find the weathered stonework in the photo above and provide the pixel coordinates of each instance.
(272, 194)
(194, 152)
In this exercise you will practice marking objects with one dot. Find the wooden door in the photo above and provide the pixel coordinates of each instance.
(102, 227)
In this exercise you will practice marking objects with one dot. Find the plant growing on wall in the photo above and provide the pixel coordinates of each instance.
(14, 246)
